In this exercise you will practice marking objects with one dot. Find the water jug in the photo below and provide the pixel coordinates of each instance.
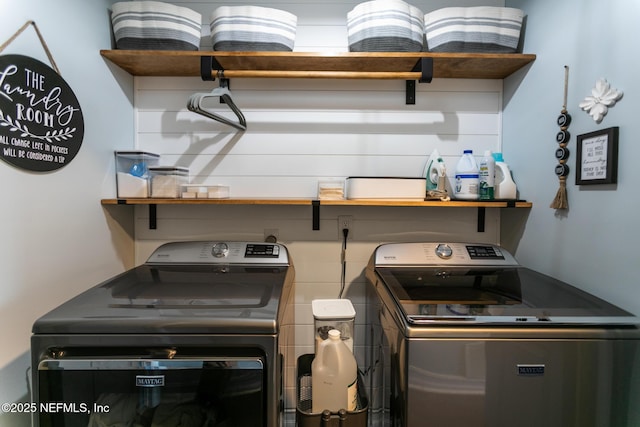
(334, 375)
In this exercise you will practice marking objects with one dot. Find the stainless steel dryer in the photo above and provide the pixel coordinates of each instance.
(475, 339)
(195, 336)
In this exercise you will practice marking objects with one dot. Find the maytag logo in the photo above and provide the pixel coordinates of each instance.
(531, 370)
(150, 380)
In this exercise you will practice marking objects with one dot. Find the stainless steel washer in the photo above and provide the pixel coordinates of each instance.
(195, 336)
(474, 339)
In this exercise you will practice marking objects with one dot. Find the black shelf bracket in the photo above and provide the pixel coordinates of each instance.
(207, 65)
(425, 67)
(153, 216)
(315, 215)
(482, 214)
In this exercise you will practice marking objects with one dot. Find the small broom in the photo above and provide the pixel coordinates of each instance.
(562, 153)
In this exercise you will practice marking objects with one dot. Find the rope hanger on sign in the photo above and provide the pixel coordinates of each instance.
(562, 152)
(44, 44)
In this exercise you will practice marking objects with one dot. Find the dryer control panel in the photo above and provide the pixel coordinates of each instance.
(210, 252)
(434, 253)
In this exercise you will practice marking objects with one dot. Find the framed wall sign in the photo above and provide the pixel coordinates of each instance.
(41, 123)
(597, 157)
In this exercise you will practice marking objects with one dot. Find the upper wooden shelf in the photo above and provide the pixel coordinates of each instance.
(355, 65)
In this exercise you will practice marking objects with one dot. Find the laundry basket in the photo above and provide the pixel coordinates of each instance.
(252, 28)
(482, 29)
(304, 416)
(385, 26)
(155, 25)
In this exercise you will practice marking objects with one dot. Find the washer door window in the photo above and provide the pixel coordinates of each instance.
(144, 393)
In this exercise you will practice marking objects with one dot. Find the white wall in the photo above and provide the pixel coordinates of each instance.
(302, 131)
(594, 243)
(57, 240)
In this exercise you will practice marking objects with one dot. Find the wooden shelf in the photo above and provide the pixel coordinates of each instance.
(309, 202)
(315, 205)
(355, 65)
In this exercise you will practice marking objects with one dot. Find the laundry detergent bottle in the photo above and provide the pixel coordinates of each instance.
(467, 177)
(334, 375)
(487, 171)
(504, 186)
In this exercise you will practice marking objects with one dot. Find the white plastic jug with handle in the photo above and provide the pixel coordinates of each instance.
(504, 186)
(334, 376)
(467, 177)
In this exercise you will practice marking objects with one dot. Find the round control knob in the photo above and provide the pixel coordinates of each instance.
(220, 250)
(444, 251)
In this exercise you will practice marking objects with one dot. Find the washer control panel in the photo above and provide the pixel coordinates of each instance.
(220, 253)
(435, 253)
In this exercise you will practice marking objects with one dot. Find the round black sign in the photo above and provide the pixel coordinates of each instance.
(41, 124)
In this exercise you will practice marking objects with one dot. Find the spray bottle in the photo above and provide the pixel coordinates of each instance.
(487, 168)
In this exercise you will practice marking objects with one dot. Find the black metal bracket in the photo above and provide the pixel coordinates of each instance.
(153, 216)
(207, 65)
(315, 214)
(425, 67)
(482, 214)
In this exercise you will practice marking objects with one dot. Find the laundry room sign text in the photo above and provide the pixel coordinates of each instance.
(41, 123)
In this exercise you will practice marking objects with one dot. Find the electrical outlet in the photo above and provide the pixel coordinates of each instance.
(271, 235)
(344, 222)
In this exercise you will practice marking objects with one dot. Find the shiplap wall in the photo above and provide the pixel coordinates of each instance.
(303, 131)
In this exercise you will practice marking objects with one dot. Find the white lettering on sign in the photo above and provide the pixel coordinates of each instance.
(41, 122)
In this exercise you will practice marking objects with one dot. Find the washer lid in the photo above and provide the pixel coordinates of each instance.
(200, 298)
(494, 295)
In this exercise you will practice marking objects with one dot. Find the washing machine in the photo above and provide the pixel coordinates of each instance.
(472, 338)
(194, 336)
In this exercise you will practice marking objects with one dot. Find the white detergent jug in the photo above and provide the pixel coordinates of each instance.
(334, 376)
(504, 186)
(467, 177)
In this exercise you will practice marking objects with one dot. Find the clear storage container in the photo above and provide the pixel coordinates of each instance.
(199, 191)
(132, 173)
(167, 181)
(333, 314)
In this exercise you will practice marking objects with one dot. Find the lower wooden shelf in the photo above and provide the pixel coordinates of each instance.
(315, 205)
(342, 202)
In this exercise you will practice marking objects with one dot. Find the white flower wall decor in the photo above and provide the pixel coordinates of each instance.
(603, 97)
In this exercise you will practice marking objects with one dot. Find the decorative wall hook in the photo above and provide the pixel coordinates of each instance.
(603, 97)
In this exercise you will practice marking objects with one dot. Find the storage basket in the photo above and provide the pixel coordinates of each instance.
(304, 416)
(473, 29)
(252, 28)
(385, 26)
(155, 25)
